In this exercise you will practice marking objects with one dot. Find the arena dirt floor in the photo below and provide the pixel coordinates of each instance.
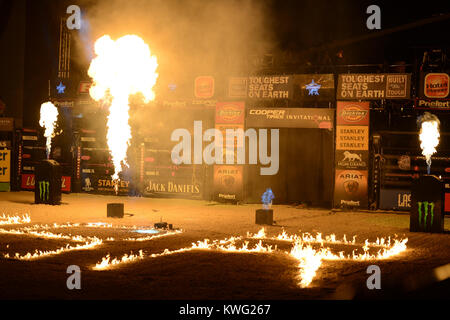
(202, 274)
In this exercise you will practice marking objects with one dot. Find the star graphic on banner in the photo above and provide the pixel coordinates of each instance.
(313, 88)
(61, 87)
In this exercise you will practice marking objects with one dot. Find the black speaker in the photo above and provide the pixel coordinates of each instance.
(47, 188)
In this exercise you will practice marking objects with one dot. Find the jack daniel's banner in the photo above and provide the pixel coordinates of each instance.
(373, 86)
(352, 154)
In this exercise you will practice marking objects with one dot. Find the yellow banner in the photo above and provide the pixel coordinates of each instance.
(5, 165)
(352, 138)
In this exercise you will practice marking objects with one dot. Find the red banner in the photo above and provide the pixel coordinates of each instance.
(28, 182)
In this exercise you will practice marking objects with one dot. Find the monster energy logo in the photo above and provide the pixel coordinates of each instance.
(426, 205)
(44, 190)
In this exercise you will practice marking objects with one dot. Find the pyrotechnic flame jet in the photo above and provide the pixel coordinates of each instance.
(121, 68)
(429, 136)
(49, 116)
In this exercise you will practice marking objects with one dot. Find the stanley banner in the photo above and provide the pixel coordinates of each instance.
(376, 86)
(352, 154)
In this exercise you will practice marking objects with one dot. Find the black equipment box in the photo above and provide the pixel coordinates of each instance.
(427, 205)
(48, 182)
(264, 216)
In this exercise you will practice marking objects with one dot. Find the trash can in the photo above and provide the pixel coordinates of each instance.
(427, 205)
(47, 188)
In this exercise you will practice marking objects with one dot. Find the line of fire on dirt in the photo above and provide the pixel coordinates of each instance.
(310, 251)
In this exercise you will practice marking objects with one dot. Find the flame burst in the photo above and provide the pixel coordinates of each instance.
(121, 68)
(429, 136)
(49, 116)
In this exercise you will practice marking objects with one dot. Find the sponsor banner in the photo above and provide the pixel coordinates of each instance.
(352, 138)
(5, 165)
(319, 118)
(365, 86)
(64, 103)
(84, 87)
(395, 199)
(175, 187)
(270, 87)
(313, 87)
(230, 112)
(434, 86)
(352, 113)
(350, 159)
(204, 87)
(102, 184)
(351, 188)
(432, 104)
(237, 87)
(66, 183)
(27, 182)
(6, 124)
(5, 144)
(228, 183)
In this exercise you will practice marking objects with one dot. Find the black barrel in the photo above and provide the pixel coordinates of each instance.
(47, 188)
(427, 205)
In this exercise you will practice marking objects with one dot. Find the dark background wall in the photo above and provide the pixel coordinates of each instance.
(12, 54)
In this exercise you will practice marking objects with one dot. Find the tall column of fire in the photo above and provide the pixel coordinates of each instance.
(121, 68)
(429, 136)
(49, 116)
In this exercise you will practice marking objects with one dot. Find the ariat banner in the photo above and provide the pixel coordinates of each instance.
(367, 86)
(351, 188)
(228, 184)
(319, 118)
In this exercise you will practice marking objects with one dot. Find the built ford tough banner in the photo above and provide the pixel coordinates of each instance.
(373, 86)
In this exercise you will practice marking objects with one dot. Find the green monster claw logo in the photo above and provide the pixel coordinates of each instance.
(44, 190)
(426, 205)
